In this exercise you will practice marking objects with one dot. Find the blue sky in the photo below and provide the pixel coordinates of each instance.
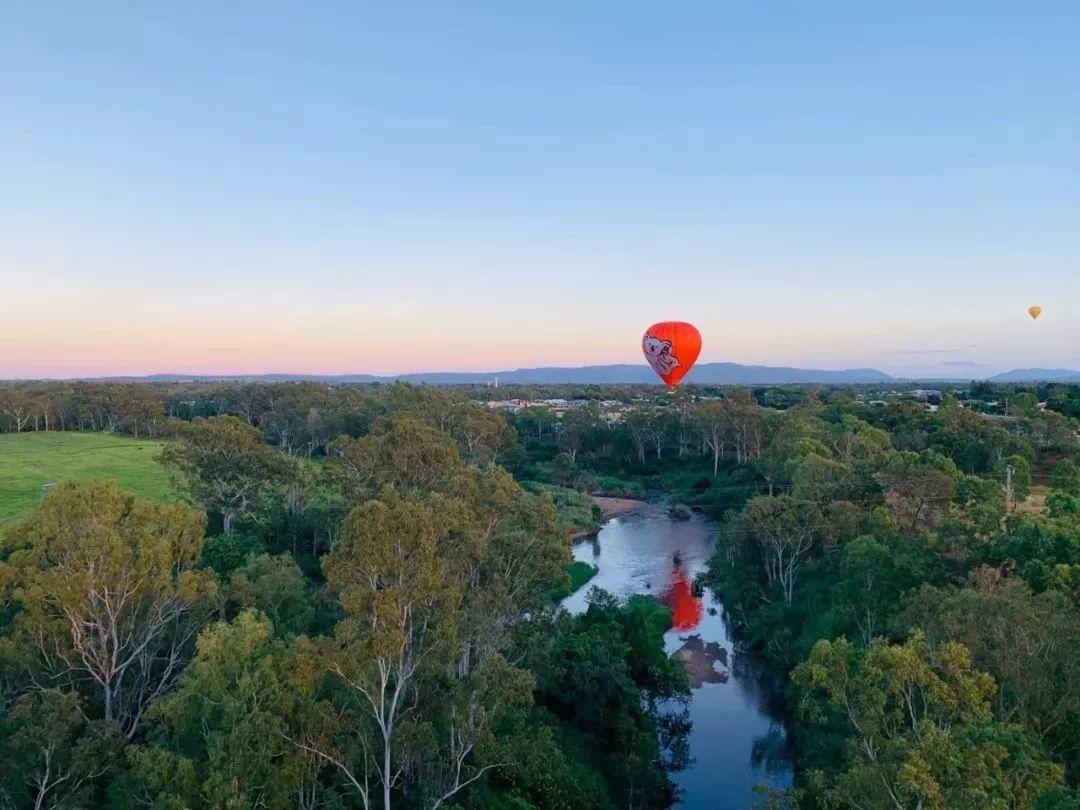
(358, 187)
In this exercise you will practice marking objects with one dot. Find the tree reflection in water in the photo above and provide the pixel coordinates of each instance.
(675, 726)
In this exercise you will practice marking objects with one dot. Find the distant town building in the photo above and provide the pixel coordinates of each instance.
(509, 405)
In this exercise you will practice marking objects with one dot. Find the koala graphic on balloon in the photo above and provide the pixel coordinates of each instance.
(672, 348)
(658, 353)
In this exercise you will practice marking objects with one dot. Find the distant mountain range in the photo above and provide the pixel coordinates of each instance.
(619, 374)
(1038, 375)
(625, 374)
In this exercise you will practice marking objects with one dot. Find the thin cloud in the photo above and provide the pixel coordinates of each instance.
(965, 363)
(939, 351)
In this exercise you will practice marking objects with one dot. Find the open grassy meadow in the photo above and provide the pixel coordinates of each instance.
(28, 461)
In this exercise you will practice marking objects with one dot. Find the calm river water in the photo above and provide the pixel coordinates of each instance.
(738, 736)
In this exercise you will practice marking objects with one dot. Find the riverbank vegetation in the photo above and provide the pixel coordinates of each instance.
(579, 573)
(578, 515)
(888, 559)
(893, 574)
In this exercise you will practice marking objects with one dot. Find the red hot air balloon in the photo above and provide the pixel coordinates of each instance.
(672, 348)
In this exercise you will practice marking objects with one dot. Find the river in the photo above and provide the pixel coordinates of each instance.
(738, 737)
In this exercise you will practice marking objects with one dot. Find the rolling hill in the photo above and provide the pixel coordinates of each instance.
(1018, 375)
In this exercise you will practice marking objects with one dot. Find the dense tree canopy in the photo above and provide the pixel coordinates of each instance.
(352, 605)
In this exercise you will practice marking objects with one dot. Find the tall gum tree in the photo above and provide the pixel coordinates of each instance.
(106, 600)
(399, 628)
(225, 466)
(784, 529)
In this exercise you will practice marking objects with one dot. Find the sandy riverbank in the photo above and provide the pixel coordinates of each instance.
(613, 507)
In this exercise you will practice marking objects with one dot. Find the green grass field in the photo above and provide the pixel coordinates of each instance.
(30, 460)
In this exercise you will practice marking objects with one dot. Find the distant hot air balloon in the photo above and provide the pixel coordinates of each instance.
(672, 348)
(1034, 312)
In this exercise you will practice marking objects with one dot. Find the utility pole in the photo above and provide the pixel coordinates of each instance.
(1008, 489)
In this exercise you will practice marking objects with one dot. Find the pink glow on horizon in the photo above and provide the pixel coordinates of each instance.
(81, 330)
(219, 353)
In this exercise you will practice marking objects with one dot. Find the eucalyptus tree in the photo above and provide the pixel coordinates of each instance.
(226, 467)
(106, 597)
(921, 729)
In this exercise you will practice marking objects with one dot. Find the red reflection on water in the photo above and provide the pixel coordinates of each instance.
(679, 596)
